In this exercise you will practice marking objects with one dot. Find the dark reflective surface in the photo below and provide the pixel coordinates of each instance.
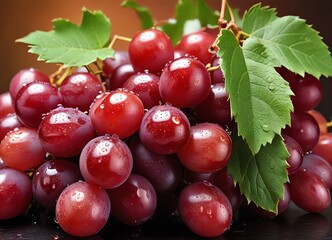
(293, 224)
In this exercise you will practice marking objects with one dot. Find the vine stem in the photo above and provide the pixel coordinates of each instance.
(118, 37)
(63, 76)
(214, 68)
(329, 124)
(98, 72)
(221, 20)
(55, 74)
(211, 68)
(231, 14)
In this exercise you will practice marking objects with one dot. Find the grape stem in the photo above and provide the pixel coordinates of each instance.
(59, 75)
(54, 75)
(329, 124)
(224, 24)
(231, 14)
(63, 76)
(117, 37)
(221, 21)
(210, 68)
(98, 65)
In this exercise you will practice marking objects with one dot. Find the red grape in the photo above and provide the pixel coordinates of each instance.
(164, 129)
(164, 172)
(198, 45)
(324, 146)
(24, 77)
(321, 120)
(119, 58)
(117, 112)
(205, 209)
(134, 202)
(216, 107)
(79, 90)
(191, 177)
(150, 50)
(34, 100)
(226, 184)
(318, 165)
(6, 104)
(217, 76)
(51, 178)
(8, 123)
(82, 209)
(309, 191)
(15, 193)
(106, 161)
(64, 132)
(21, 149)
(308, 92)
(146, 86)
(119, 76)
(295, 158)
(304, 129)
(184, 82)
(208, 149)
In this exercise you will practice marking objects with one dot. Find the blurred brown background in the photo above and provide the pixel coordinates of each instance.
(20, 17)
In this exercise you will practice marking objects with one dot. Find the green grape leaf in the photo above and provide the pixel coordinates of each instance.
(261, 177)
(70, 44)
(143, 13)
(191, 15)
(257, 17)
(292, 42)
(237, 17)
(259, 96)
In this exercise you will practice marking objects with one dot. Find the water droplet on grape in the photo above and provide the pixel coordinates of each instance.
(206, 183)
(117, 98)
(81, 121)
(161, 116)
(77, 196)
(141, 193)
(179, 64)
(176, 120)
(99, 96)
(209, 211)
(203, 134)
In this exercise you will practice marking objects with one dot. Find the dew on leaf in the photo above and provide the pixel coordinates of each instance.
(265, 128)
(272, 87)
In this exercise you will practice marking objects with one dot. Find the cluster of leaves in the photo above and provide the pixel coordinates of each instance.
(260, 98)
(72, 45)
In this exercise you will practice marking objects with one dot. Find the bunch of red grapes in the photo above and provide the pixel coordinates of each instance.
(156, 142)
